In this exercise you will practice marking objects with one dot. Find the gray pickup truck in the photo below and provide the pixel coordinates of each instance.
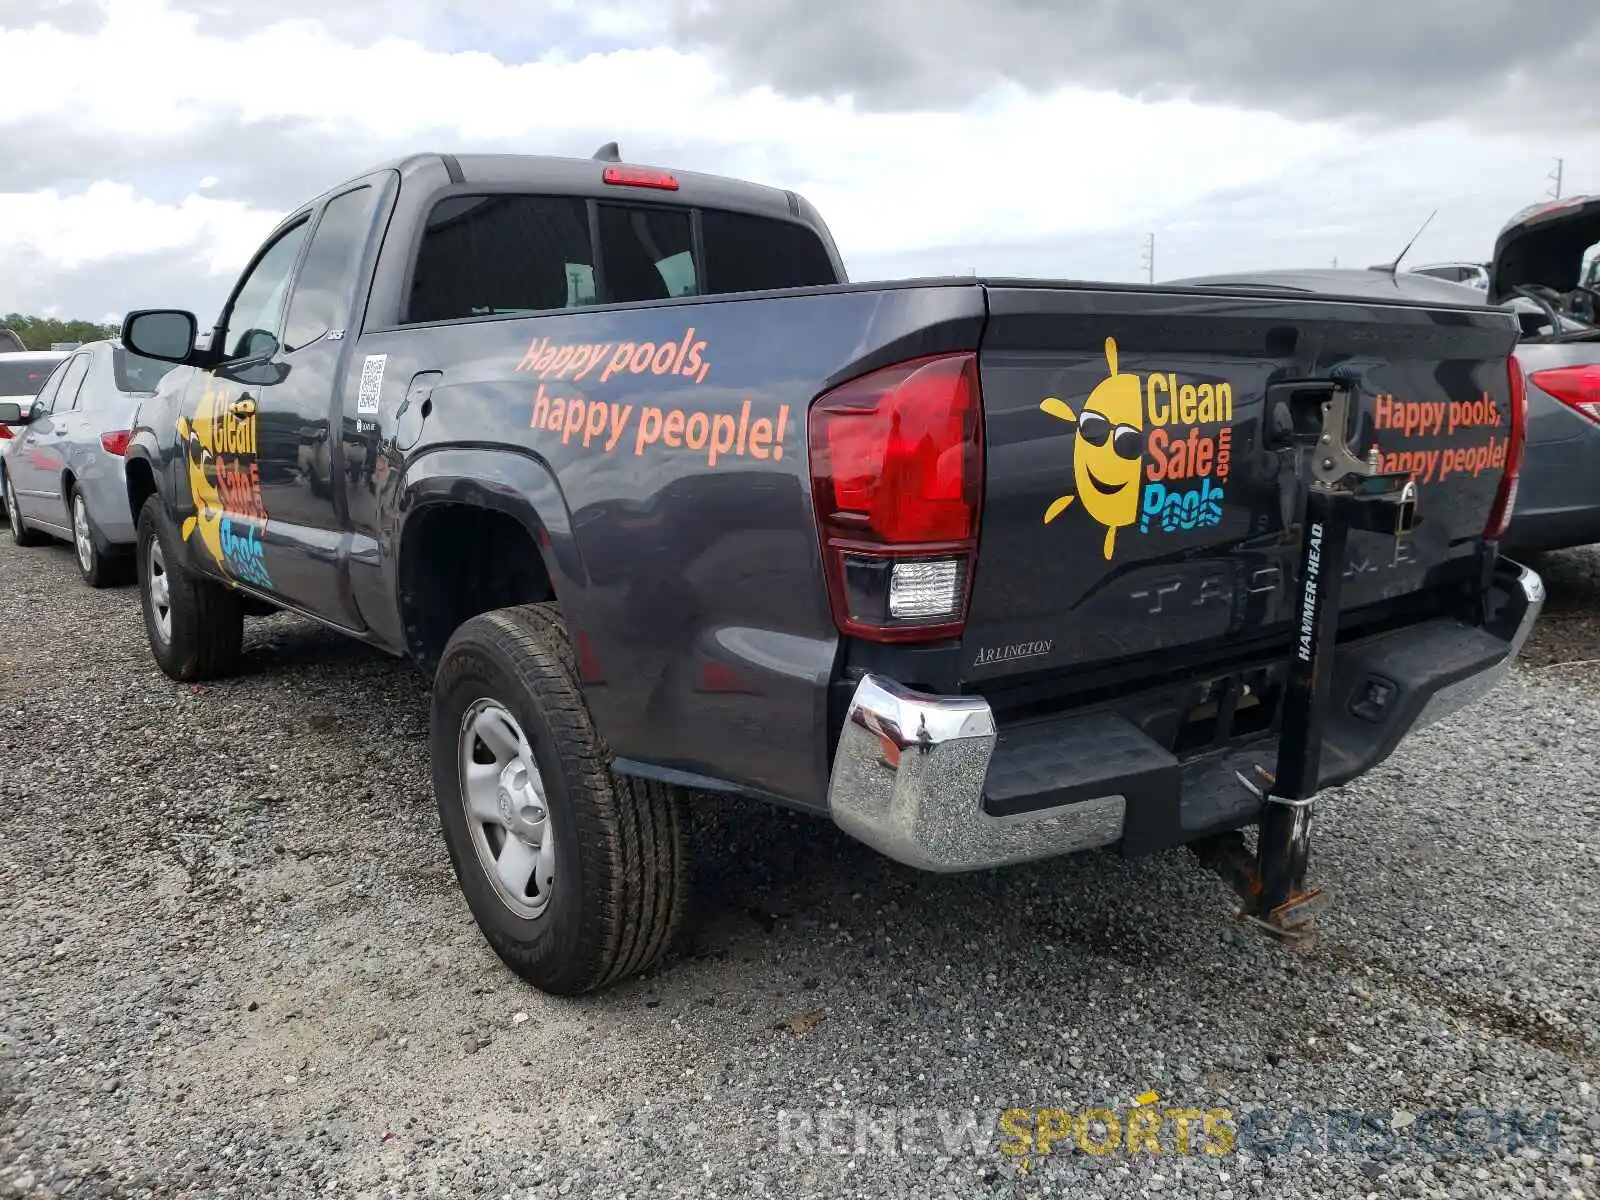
(985, 570)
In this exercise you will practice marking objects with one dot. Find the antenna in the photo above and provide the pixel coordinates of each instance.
(1394, 267)
(1555, 177)
(608, 153)
(1150, 258)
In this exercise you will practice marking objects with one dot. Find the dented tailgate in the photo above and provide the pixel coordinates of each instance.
(1141, 493)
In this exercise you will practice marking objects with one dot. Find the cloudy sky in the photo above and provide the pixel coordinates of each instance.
(147, 145)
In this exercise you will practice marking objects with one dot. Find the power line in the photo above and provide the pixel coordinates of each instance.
(1150, 258)
(1555, 176)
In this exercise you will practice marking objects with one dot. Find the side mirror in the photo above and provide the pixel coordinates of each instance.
(12, 413)
(256, 344)
(165, 334)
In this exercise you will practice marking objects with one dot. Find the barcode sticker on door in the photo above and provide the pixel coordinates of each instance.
(371, 383)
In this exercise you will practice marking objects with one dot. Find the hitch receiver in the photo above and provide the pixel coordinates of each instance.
(1345, 492)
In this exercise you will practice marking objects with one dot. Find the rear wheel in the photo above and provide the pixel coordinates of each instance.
(20, 533)
(574, 875)
(195, 625)
(97, 568)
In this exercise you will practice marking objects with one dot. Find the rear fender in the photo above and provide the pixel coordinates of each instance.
(504, 480)
(497, 479)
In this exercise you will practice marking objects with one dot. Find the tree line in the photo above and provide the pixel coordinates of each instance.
(38, 333)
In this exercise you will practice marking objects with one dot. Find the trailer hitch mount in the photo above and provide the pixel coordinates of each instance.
(1345, 491)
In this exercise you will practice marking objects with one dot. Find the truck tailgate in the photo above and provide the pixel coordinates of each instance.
(1139, 496)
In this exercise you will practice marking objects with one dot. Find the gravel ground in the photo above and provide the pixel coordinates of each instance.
(235, 963)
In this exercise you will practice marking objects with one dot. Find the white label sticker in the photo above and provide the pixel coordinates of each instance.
(371, 383)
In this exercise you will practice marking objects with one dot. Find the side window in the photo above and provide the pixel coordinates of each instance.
(66, 398)
(486, 255)
(749, 254)
(259, 303)
(646, 253)
(46, 396)
(322, 288)
(85, 391)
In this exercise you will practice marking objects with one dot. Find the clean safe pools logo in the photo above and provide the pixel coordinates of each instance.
(220, 448)
(1149, 451)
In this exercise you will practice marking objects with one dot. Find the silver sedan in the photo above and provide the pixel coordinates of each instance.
(22, 373)
(64, 472)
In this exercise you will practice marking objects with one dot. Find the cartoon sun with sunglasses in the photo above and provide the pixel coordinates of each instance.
(1108, 450)
(198, 439)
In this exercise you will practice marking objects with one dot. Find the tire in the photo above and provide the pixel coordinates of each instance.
(20, 533)
(98, 568)
(203, 629)
(618, 889)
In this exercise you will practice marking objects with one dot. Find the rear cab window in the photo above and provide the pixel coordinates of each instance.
(519, 254)
(496, 255)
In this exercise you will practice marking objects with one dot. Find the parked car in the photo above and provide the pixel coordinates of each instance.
(984, 570)
(1474, 275)
(10, 343)
(22, 375)
(66, 469)
(1538, 270)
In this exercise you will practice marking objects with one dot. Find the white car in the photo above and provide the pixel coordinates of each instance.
(22, 374)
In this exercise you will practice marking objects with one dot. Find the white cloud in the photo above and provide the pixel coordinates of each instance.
(1015, 182)
(109, 220)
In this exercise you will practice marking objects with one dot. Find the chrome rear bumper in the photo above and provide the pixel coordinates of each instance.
(908, 781)
(909, 772)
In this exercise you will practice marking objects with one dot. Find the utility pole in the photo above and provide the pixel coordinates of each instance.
(1150, 258)
(1555, 176)
(1335, 262)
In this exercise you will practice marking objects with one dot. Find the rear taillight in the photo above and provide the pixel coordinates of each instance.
(640, 177)
(897, 478)
(1506, 497)
(116, 442)
(1576, 387)
(5, 433)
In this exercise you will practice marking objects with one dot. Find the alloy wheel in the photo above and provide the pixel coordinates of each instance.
(506, 809)
(80, 532)
(160, 586)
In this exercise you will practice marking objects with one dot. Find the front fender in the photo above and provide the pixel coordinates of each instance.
(154, 442)
(142, 474)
